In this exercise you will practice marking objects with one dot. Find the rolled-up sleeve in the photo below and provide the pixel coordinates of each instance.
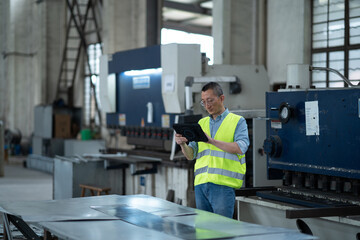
(194, 146)
(241, 136)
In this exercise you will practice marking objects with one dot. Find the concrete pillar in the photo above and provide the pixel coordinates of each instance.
(21, 53)
(2, 151)
(239, 31)
(288, 37)
(28, 66)
(4, 18)
(153, 22)
(126, 24)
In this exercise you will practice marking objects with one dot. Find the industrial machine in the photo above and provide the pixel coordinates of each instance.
(312, 144)
(154, 87)
(313, 136)
(156, 84)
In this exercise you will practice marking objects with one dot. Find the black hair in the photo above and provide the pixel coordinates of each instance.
(214, 86)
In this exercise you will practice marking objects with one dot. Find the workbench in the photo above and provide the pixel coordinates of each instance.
(131, 217)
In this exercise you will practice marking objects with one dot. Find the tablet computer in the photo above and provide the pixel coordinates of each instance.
(192, 131)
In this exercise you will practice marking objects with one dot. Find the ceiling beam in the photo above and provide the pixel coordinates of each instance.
(193, 8)
(187, 27)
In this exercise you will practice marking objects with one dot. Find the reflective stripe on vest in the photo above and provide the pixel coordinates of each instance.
(220, 154)
(226, 173)
(201, 170)
(220, 172)
(215, 165)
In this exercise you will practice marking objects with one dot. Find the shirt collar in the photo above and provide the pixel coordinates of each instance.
(221, 116)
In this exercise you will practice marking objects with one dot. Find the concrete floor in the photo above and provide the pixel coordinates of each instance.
(22, 184)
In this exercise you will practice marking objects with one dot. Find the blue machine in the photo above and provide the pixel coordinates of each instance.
(140, 112)
(138, 82)
(314, 132)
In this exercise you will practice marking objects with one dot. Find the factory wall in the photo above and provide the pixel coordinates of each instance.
(288, 36)
(32, 40)
(273, 33)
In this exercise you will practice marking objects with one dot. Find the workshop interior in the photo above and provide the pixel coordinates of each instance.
(91, 89)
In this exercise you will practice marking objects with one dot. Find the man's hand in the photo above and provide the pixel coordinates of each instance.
(210, 140)
(230, 147)
(180, 139)
(187, 151)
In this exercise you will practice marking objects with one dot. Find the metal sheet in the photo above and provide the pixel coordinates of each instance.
(109, 230)
(114, 230)
(60, 210)
(279, 236)
(213, 221)
(150, 221)
(150, 218)
(131, 159)
(158, 211)
(80, 208)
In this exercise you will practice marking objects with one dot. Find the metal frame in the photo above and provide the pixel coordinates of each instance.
(184, 25)
(322, 212)
(79, 21)
(22, 226)
(125, 161)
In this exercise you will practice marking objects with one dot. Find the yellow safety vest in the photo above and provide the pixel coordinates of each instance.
(215, 165)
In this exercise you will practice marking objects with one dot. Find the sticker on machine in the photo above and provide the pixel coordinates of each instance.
(312, 118)
(276, 124)
(169, 83)
(165, 121)
(122, 119)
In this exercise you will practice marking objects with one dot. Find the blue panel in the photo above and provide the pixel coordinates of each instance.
(132, 100)
(112, 119)
(336, 150)
(142, 58)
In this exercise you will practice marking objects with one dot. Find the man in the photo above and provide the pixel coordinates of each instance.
(220, 166)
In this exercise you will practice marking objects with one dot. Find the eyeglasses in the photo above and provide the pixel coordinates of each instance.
(207, 102)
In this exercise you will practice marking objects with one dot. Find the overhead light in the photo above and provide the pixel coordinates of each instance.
(143, 72)
(207, 4)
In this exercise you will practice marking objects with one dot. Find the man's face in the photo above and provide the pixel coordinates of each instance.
(212, 103)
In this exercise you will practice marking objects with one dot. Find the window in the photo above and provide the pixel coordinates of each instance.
(92, 74)
(335, 41)
(175, 36)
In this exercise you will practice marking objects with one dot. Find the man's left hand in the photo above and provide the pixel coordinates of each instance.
(211, 140)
